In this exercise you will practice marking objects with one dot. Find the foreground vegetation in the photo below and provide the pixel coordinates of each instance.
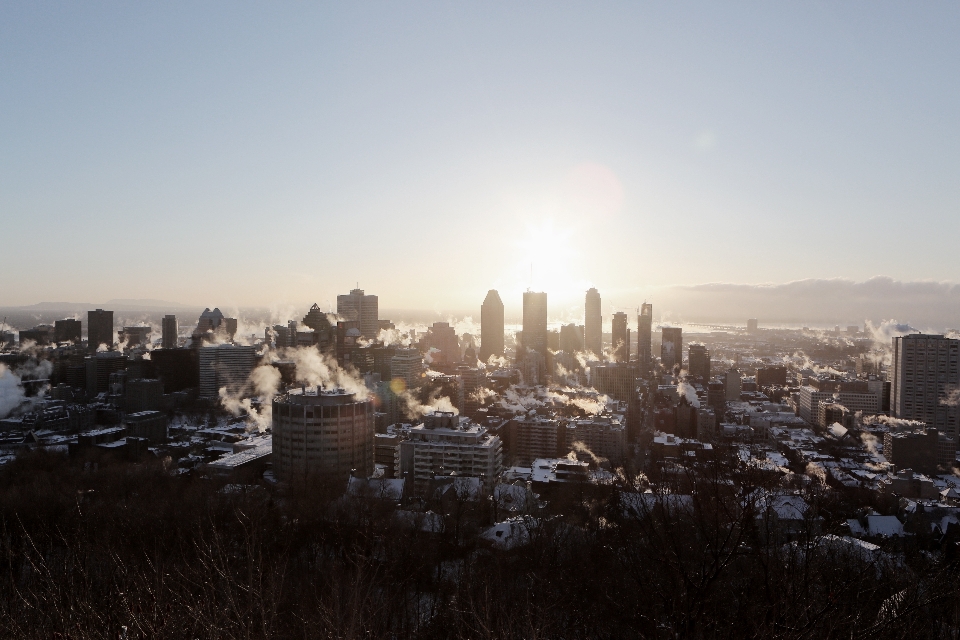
(131, 551)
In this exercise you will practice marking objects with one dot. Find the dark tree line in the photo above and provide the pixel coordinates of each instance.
(131, 551)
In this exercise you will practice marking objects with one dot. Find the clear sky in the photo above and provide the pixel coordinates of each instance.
(247, 154)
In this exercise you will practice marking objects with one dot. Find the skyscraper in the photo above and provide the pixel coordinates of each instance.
(644, 337)
(358, 307)
(535, 322)
(169, 332)
(225, 365)
(698, 361)
(99, 329)
(926, 368)
(532, 350)
(593, 323)
(621, 337)
(66, 331)
(491, 326)
(671, 347)
(322, 432)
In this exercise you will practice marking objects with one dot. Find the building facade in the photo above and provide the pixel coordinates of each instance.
(491, 326)
(99, 329)
(362, 308)
(671, 347)
(225, 365)
(645, 337)
(169, 332)
(593, 323)
(925, 369)
(620, 337)
(698, 361)
(446, 444)
(320, 432)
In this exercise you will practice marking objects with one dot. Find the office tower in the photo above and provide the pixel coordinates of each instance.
(406, 365)
(644, 337)
(698, 361)
(532, 351)
(361, 308)
(491, 326)
(571, 338)
(621, 337)
(225, 366)
(99, 367)
(448, 444)
(135, 336)
(41, 335)
(535, 322)
(925, 370)
(617, 380)
(593, 323)
(443, 337)
(319, 432)
(671, 348)
(320, 323)
(169, 332)
(99, 329)
(752, 325)
(178, 369)
(209, 321)
(66, 331)
(732, 385)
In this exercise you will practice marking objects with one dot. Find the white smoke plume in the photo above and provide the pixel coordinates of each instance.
(952, 399)
(816, 471)
(899, 424)
(11, 391)
(686, 390)
(870, 442)
(883, 334)
(414, 409)
(580, 447)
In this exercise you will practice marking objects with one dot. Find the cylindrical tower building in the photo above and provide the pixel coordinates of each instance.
(322, 432)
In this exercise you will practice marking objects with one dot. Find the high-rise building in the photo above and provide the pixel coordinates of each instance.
(225, 365)
(406, 365)
(99, 329)
(698, 361)
(532, 437)
(732, 385)
(621, 337)
(169, 332)
(671, 347)
(361, 308)
(179, 368)
(593, 323)
(99, 367)
(617, 380)
(491, 326)
(752, 325)
(448, 444)
(443, 337)
(319, 432)
(571, 338)
(534, 334)
(135, 336)
(644, 337)
(925, 370)
(66, 331)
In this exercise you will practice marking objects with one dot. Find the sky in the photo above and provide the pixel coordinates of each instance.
(258, 154)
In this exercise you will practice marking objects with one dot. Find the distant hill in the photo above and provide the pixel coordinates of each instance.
(120, 304)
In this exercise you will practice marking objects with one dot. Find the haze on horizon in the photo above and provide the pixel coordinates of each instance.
(256, 155)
